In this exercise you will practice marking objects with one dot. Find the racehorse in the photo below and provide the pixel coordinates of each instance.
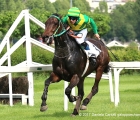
(69, 63)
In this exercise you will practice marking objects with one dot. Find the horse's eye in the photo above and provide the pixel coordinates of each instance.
(55, 23)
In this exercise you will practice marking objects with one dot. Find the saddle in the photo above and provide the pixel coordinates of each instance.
(87, 45)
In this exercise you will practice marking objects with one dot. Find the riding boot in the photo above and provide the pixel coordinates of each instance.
(87, 50)
(93, 59)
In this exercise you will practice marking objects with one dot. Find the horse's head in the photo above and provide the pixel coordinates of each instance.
(53, 26)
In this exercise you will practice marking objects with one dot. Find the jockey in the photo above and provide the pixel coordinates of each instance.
(78, 24)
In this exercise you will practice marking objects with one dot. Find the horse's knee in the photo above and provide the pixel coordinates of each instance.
(67, 91)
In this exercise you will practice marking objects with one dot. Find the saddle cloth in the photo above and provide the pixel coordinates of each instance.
(93, 49)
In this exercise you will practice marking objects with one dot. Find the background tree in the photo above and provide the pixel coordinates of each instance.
(3, 5)
(11, 5)
(83, 5)
(123, 23)
(32, 4)
(103, 6)
(102, 22)
(61, 6)
(20, 5)
(6, 20)
(137, 18)
(49, 6)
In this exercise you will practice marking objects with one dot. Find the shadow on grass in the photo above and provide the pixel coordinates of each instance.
(53, 115)
(132, 90)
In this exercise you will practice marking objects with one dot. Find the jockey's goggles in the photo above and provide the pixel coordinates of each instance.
(73, 18)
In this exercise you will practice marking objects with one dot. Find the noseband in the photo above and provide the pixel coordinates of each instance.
(55, 33)
(60, 52)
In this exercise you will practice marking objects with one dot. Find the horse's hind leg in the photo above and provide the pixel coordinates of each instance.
(94, 89)
(53, 78)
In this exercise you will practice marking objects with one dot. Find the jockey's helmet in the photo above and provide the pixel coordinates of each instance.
(73, 12)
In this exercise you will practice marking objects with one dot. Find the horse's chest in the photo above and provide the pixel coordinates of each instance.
(65, 69)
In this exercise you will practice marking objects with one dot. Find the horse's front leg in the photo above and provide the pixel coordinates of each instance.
(53, 78)
(73, 82)
(80, 97)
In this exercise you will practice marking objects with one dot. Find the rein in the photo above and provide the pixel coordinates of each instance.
(60, 52)
(64, 30)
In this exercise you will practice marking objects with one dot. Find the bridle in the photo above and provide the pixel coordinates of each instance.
(61, 52)
(55, 34)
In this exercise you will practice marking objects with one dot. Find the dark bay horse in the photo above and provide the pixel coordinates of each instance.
(69, 63)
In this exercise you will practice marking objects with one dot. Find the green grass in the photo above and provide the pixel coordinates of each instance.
(100, 107)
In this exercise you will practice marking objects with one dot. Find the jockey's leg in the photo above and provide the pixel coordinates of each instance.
(82, 34)
(89, 53)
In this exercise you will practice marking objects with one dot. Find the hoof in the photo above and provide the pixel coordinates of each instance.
(83, 107)
(43, 108)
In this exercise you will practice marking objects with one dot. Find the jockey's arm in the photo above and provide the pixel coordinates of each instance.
(94, 28)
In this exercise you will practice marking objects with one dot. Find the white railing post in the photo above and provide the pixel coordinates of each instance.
(29, 58)
(65, 97)
(111, 86)
(116, 80)
(10, 75)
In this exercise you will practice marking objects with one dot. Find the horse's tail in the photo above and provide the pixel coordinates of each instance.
(107, 69)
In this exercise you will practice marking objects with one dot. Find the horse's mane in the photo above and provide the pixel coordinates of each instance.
(58, 15)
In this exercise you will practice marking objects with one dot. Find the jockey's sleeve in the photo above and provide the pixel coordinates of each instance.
(93, 25)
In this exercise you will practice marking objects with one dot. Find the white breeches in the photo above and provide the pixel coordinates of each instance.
(93, 49)
(82, 34)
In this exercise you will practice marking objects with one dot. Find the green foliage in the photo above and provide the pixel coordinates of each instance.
(103, 6)
(102, 22)
(18, 56)
(3, 5)
(128, 54)
(38, 55)
(6, 20)
(41, 10)
(41, 56)
(49, 6)
(123, 22)
(83, 5)
(61, 5)
(133, 45)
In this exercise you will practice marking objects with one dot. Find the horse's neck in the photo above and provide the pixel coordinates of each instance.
(65, 41)
(65, 45)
